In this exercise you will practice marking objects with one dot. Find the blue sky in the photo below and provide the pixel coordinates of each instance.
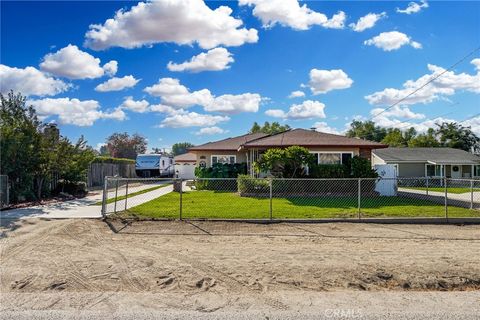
(345, 71)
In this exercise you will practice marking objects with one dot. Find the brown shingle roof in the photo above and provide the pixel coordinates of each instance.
(228, 144)
(186, 157)
(309, 138)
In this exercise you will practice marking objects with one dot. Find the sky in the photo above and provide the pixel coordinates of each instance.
(188, 70)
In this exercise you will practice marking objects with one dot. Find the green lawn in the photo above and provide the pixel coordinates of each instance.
(112, 200)
(227, 205)
(442, 189)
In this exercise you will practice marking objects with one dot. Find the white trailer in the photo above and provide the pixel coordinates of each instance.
(154, 165)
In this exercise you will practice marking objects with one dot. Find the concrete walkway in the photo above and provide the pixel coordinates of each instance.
(459, 199)
(84, 207)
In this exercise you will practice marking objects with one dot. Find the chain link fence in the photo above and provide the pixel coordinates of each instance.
(279, 199)
(4, 191)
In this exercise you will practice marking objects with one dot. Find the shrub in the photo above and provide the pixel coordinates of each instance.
(219, 170)
(74, 188)
(252, 186)
(328, 171)
(362, 168)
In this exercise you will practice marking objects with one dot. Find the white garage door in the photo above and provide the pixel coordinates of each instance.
(185, 171)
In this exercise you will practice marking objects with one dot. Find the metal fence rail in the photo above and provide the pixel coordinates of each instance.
(274, 198)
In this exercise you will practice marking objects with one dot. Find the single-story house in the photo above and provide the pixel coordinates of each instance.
(429, 162)
(185, 165)
(328, 148)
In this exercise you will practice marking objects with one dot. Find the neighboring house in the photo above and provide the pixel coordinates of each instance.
(328, 148)
(429, 162)
(185, 165)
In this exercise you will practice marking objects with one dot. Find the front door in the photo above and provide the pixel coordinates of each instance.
(456, 171)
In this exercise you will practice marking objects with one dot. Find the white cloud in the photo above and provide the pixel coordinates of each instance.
(393, 40)
(228, 103)
(70, 62)
(397, 112)
(366, 22)
(117, 84)
(74, 111)
(323, 81)
(276, 113)
(29, 81)
(289, 13)
(111, 68)
(213, 60)
(445, 85)
(413, 7)
(178, 21)
(337, 21)
(210, 131)
(297, 94)
(135, 106)
(324, 127)
(306, 110)
(166, 109)
(191, 119)
(177, 95)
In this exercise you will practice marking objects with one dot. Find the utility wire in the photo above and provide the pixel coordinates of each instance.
(428, 82)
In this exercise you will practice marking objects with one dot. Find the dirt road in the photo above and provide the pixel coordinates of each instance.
(216, 267)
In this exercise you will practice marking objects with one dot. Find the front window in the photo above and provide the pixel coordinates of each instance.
(224, 159)
(332, 157)
(477, 170)
(434, 170)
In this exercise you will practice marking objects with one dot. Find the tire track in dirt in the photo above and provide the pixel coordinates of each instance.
(231, 282)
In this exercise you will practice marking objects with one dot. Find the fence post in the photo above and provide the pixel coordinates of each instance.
(181, 198)
(116, 194)
(427, 185)
(359, 197)
(126, 195)
(271, 196)
(446, 198)
(105, 196)
(471, 194)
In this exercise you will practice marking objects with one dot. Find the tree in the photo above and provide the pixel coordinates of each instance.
(122, 145)
(289, 162)
(104, 151)
(454, 135)
(366, 130)
(427, 139)
(268, 128)
(181, 148)
(394, 138)
(20, 138)
(33, 151)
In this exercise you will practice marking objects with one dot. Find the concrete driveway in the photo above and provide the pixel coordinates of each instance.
(84, 207)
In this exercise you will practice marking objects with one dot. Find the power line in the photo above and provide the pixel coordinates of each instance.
(428, 82)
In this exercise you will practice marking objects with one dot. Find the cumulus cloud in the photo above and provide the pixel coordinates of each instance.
(324, 127)
(323, 81)
(111, 68)
(177, 95)
(191, 119)
(366, 22)
(229, 103)
(213, 60)
(70, 62)
(289, 13)
(210, 131)
(414, 7)
(393, 40)
(30, 82)
(306, 110)
(161, 108)
(296, 94)
(74, 111)
(117, 84)
(179, 21)
(445, 85)
(140, 106)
